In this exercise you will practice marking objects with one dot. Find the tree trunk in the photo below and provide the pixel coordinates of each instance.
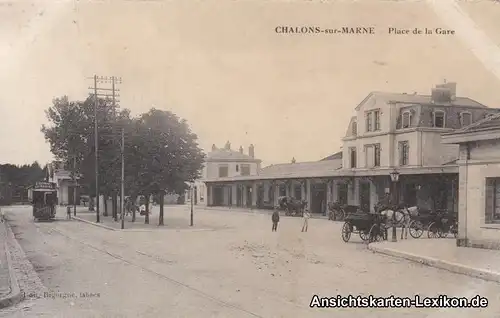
(91, 203)
(134, 201)
(115, 206)
(105, 199)
(146, 219)
(160, 222)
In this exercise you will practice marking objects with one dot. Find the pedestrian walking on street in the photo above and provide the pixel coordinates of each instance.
(2, 216)
(275, 218)
(68, 212)
(306, 217)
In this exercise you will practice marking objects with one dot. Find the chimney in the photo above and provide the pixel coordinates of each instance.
(451, 87)
(251, 151)
(228, 145)
(214, 147)
(441, 95)
(241, 149)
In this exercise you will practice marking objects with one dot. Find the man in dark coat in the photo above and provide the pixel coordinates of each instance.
(275, 218)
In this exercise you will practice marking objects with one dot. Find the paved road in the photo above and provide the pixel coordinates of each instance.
(241, 269)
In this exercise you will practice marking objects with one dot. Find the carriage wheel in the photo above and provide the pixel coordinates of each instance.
(374, 235)
(432, 230)
(364, 235)
(454, 230)
(416, 229)
(346, 232)
(339, 215)
(442, 233)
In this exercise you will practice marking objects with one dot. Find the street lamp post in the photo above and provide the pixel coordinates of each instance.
(192, 202)
(394, 179)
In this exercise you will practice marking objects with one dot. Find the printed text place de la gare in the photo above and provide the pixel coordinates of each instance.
(424, 31)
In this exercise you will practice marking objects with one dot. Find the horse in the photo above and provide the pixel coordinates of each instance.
(291, 205)
(400, 217)
(335, 211)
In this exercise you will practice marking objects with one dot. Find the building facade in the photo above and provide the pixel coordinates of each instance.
(388, 132)
(224, 163)
(479, 175)
(67, 186)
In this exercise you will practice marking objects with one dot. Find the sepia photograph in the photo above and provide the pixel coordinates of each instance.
(236, 158)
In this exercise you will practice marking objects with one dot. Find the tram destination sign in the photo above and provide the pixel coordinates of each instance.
(45, 185)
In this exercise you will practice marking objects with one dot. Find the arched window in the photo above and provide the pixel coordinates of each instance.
(439, 119)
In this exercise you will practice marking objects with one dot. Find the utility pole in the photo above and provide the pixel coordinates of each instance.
(122, 197)
(96, 146)
(75, 186)
(95, 89)
(192, 202)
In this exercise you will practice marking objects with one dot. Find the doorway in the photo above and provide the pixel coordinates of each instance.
(342, 196)
(318, 198)
(364, 195)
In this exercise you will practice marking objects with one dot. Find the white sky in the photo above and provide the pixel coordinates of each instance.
(220, 65)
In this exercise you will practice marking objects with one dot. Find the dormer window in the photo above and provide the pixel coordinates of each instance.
(354, 128)
(439, 119)
(406, 119)
(465, 119)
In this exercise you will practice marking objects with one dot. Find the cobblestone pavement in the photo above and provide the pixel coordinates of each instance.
(240, 270)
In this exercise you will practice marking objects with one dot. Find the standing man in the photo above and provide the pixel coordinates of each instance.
(306, 217)
(275, 218)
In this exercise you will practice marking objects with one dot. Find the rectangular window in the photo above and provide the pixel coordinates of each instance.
(352, 152)
(223, 171)
(245, 170)
(439, 119)
(406, 120)
(372, 155)
(377, 155)
(376, 119)
(492, 195)
(354, 128)
(369, 121)
(465, 119)
(404, 151)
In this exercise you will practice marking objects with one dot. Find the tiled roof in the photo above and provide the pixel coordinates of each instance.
(421, 99)
(223, 154)
(300, 169)
(488, 123)
(315, 169)
(337, 155)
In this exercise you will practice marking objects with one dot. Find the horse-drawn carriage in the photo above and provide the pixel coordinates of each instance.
(371, 227)
(292, 206)
(44, 201)
(444, 223)
(437, 223)
(338, 212)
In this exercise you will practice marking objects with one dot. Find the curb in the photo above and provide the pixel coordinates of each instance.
(136, 230)
(437, 263)
(15, 296)
(93, 223)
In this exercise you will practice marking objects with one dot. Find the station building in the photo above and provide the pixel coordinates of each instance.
(389, 132)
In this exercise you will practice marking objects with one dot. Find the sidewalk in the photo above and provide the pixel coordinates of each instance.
(10, 293)
(444, 254)
(172, 220)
